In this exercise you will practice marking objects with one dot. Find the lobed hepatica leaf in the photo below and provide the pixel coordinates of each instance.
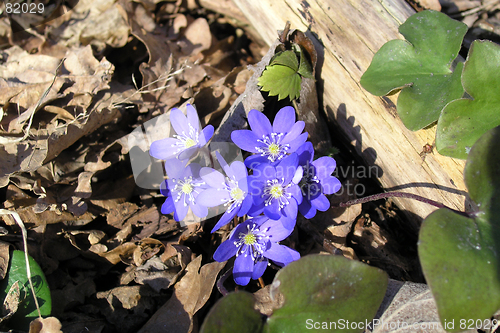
(460, 256)
(463, 121)
(27, 310)
(233, 313)
(422, 66)
(321, 290)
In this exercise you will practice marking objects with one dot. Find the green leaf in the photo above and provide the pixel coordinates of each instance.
(421, 66)
(27, 310)
(321, 290)
(285, 58)
(305, 67)
(233, 313)
(282, 81)
(463, 121)
(460, 255)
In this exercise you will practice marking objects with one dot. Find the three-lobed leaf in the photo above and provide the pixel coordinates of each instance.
(460, 255)
(463, 121)
(283, 76)
(321, 290)
(422, 66)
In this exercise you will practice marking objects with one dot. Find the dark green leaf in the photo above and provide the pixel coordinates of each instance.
(233, 313)
(460, 255)
(305, 67)
(421, 66)
(326, 289)
(282, 81)
(27, 310)
(463, 121)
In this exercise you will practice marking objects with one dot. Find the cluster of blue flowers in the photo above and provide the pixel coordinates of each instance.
(284, 180)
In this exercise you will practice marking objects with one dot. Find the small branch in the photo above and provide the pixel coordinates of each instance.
(220, 282)
(402, 195)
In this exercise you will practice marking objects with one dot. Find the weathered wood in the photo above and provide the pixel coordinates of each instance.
(347, 33)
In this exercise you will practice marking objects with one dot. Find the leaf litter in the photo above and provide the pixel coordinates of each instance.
(73, 89)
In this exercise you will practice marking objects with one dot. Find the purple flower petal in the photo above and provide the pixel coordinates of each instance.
(212, 197)
(278, 253)
(238, 170)
(253, 161)
(205, 135)
(294, 254)
(297, 142)
(256, 209)
(330, 185)
(164, 189)
(324, 165)
(273, 210)
(284, 120)
(297, 177)
(296, 193)
(192, 117)
(162, 149)
(306, 209)
(223, 164)
(187, 153)
(290, 212)
(294, 132)
(259, 268)
(168, 206)
(321, 203)
(199, 210)
(245, 205)
(246, 140)
(179, 121)
(276, 230)
(225, 251)
(259, 123)
(287, 167)
(212, 177)
(243, 269)
(225, 219)
(180, 210)
(175, 168)
(305, 152)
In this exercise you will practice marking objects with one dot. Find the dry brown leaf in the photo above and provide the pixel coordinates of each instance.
(198, 37)
(190, 294)
(4, 259)
(45, 325)
(11, 302)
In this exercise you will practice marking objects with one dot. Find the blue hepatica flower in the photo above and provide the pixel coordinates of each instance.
(270, 143)
(230, 190)
(316, 181)
(188, 137)
(275, 190)
(254, 242)
(181, 189)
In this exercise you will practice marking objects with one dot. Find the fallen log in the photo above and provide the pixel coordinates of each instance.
(346, 34)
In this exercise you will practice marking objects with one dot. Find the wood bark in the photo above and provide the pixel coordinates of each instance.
(346, 34)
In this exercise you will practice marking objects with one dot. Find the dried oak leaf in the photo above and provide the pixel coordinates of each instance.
(190, 294)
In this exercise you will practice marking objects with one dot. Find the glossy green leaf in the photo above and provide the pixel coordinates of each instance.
(422, 66)
(463, 121)
(282, 81)
(27, 310)
(233, 313)
(327, 290)
(460, 255)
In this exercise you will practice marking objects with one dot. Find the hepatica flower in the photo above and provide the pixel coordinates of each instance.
(255, 242)
(182, 189)
(230, 190)
(188, 137)
(270, 143)
(316, 181)
(275, 190)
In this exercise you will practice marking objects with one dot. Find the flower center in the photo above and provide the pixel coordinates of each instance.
(186, 189)
(236, 194)
(252, 242)
(272, 146)
(249, 239)
(185, 141)
(189, 143)
(275, 189)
